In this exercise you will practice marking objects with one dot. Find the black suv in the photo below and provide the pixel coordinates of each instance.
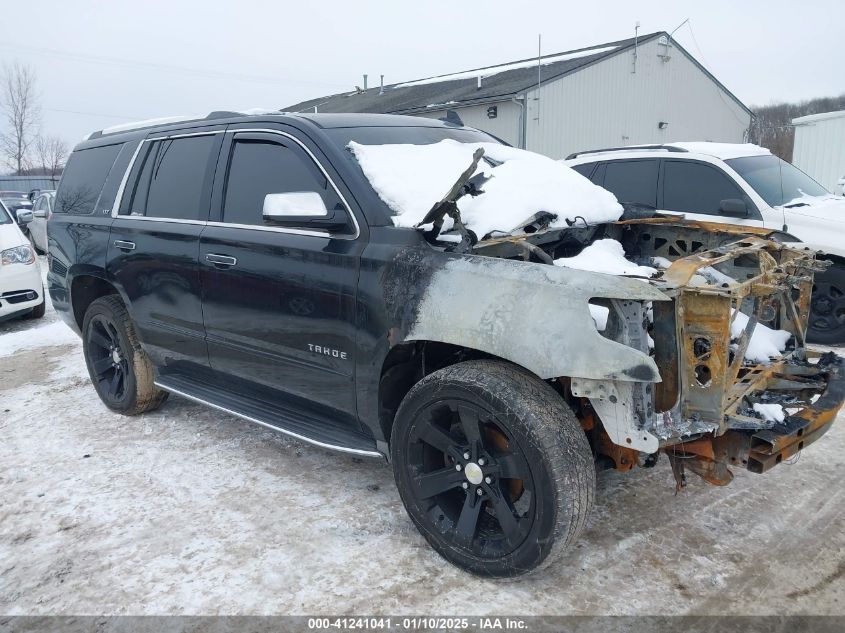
(247, 263)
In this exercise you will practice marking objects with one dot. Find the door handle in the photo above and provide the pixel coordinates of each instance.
(221, 260)
(124, 246)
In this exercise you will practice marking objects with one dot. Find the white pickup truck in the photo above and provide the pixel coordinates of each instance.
(736, 184)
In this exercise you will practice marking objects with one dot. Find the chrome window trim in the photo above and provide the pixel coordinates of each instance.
(118, 198)
(275, 229)
(324, 234)
(171, 220)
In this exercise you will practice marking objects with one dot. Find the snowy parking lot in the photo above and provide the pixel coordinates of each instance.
(189, 511)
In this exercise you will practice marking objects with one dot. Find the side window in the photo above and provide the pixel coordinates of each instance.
(258, 167)
(632, 181)
(83, 179)
(40, 204)
(691, 187)
(585, 169)
(171, 181)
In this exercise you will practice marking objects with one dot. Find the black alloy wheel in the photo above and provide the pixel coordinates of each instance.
(120, 370)
(493, 467)
(476, 487)
(109, 364)
(827, 307)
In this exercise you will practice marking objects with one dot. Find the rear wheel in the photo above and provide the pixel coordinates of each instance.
(827, 307)
(120, 370)
(493, 467)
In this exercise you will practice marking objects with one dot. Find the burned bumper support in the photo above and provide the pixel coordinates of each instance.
(758, 450)
(770, 447)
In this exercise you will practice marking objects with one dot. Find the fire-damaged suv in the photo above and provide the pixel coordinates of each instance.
(485, 318)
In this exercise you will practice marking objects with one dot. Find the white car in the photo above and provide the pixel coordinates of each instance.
(735, 184)
(21, 288)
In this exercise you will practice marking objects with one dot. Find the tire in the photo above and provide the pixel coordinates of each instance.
(524, 439)
(120, 370)
(40, 310)
(827, 307)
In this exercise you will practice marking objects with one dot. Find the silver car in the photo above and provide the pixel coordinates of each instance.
(42, 207)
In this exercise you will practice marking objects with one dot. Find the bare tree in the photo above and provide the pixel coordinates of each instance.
(21, 113)
(772, 126)
(52, 153)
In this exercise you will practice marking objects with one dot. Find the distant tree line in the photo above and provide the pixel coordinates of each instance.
(26, 149)
(772, 125)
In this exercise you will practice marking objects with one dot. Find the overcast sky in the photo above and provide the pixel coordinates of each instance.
(104, 63)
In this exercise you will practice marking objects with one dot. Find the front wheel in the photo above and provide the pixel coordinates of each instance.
(827, 307)
(493, 467)
(40, 310)
(120, 370)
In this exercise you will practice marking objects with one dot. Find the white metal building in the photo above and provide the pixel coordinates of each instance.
(820, 148)
(640, 90)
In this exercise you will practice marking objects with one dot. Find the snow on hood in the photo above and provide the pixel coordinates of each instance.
(605, 256)
(411, 179)
(829, 207)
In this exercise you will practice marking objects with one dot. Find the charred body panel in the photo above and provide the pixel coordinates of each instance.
(534, 315)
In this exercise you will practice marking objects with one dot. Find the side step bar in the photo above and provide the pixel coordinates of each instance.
(283, 420)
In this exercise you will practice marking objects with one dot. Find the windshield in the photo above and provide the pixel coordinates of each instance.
(5, 218)
(777, 181)
(341, 136)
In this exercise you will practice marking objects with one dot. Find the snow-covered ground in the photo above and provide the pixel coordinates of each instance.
(186, 510)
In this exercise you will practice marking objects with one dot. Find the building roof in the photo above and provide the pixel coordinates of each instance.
(812, 118)
(498, 83)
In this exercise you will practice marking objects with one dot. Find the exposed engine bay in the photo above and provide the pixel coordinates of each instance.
(715, 405)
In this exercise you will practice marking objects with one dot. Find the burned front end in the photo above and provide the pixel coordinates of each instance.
(738, 387)
(717, 405)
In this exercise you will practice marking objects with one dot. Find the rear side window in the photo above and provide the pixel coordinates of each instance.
(171, 182)
(83, 179)
(584, 169)
(632, 181)
(257, 168)
(691, 187)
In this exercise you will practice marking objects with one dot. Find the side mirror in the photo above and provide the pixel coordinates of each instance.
(301, 209)
(41, 213)
(734, 207)
(24, 216)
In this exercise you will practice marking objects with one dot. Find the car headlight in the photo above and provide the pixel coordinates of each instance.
(18, 255)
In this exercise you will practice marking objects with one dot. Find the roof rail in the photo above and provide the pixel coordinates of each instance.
(630, 148)
(137, 125)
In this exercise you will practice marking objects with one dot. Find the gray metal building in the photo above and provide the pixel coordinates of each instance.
(28, 183)
(820, 148)
(639, 90)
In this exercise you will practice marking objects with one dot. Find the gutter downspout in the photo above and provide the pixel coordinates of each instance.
(520, 101)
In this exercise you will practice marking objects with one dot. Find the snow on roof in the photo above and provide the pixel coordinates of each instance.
(489, 71)
(724, 151)
(411, 179)
(812, 118)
